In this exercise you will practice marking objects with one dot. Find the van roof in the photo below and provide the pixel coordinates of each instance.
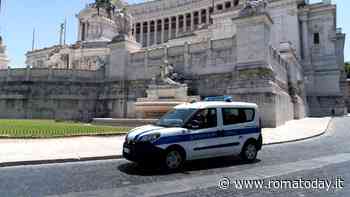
(213, 104)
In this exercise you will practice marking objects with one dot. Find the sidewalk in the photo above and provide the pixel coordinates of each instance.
(36, 151)
(296, 130)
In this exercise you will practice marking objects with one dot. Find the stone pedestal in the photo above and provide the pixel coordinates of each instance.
(162, 98)
(253, 39)
(121, 47)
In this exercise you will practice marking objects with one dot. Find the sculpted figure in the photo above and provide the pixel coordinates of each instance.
(168, 74)
(124, 21)
(101, 62)
(253, 7)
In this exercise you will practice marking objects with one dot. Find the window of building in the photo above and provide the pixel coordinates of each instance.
(236, 2)
(237, 115)
(227, 5)
(316, 38)
(204, 16)
(83, 32)
(219, 7)
(181, 21)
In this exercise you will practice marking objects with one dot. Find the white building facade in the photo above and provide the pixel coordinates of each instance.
(285, 55)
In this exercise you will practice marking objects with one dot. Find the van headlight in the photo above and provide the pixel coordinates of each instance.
(150, 137)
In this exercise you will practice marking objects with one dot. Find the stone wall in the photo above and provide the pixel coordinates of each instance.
(207, 57)
(49, 93)
(48, 100)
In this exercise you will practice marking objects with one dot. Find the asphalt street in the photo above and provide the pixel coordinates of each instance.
(325, 158)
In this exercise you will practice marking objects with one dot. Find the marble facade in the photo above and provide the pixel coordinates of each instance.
(287, 56)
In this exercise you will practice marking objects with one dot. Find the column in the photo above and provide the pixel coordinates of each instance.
(192, 21)
(209, 53)
(185, 22)
(186, 58)
(177, 27)
(148, 33)
(208, 15)
(79, 31)
(306, 49)
(141, 33)
(134, 33)
(162, 31)
(169, 29)
(155, 32)
(146, 64)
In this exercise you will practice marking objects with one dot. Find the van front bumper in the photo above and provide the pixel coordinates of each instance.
(142, 152)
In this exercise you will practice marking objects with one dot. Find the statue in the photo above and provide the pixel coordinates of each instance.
(168, 74)
(123, 21)
(109, 6)
(253, 7)
(101, 62)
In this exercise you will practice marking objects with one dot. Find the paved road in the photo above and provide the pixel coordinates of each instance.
(325, 157)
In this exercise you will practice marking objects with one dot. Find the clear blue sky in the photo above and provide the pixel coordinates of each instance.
(19, 17)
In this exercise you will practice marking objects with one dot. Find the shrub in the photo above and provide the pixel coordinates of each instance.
(347, 69)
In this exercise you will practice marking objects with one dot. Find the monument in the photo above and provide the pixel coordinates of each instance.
(139, 60)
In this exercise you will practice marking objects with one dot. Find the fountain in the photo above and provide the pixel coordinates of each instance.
(164, 93)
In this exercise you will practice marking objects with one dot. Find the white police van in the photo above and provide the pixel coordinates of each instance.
(198, 130)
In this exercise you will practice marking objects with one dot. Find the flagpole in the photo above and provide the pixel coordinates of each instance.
(33, 40)
(65, 31)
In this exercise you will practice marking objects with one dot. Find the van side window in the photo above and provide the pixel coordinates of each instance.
(207, 118)
(237, 115)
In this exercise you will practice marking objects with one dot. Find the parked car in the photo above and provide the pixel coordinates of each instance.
(198, 130)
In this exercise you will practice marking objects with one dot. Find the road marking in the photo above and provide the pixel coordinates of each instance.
(207, 181)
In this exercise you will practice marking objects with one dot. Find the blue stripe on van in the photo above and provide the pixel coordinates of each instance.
(217, 146)
(202, 136)
(144, 132)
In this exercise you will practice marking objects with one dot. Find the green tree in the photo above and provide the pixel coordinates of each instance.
(347, 69)
(104, 4)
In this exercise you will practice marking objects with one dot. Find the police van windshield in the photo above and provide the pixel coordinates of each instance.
(175, 118)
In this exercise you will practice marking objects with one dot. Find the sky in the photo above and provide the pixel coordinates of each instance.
(19, 17)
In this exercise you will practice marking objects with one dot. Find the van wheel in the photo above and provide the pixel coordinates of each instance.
(174, 159)
(249, 151)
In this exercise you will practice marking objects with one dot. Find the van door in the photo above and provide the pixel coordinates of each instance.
(204, 141)
(237, 125)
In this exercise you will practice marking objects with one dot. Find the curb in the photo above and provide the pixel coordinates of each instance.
(65, 137)
(302, 139)
(57, 161)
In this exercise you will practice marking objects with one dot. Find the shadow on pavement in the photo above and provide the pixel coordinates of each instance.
(198, 165)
